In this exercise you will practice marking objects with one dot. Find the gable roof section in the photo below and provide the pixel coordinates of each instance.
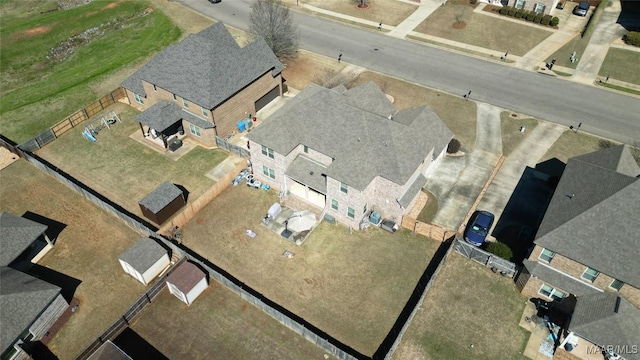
(185, 277)
(162, 196)
(363, 144)
(16, 235)
(143, 254)
(592, 217)
(109, 351)
(206, 68)
(558, 279)
(616, 158)
(607, 319)
(22, 299)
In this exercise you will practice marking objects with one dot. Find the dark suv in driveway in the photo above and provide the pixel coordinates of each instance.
(478, 227)
(581, 9)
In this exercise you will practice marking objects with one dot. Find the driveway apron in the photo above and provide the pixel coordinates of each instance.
(456, 197)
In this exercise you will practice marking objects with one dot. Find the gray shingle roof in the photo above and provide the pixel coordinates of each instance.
(22, 299)
(16, 235)
(412, 191)
(308, 172)
(593, 216)
(206, 68)
(558, 279)
(162, 196)
(186, 276)
(350, 128)
(607, 319)
(109, 351)
(143, 254)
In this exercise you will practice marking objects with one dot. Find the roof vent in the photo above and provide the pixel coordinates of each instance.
(390, 117)
(570, 196)
(310, 172)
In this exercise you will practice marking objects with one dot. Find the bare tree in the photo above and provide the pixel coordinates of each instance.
(331, 78)
(273, 22)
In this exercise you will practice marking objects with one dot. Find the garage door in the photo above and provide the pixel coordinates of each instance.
(271, 95)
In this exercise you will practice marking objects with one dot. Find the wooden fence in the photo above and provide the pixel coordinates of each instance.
(431, 231)
(193, 208)
(496, 263)
(74, 120)
(226, 145)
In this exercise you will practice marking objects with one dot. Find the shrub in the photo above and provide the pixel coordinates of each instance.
(555, 21)
(453, 147)
(545, 19)
(512, 11)
(500, 249)
(537, 18)
(505, 10)
(519, 13)
(531, 15)
(632, 38)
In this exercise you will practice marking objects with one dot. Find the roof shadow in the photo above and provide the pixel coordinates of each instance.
(54, 228)
(67, 283)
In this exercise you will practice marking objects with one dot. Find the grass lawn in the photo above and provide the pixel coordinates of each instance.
(622, 64)
(562, 56)
(221, 323)
(510, 127)
(480, 30)
(390, 12)
(351, 285)
(87, 249)
(49, 60)
(124, 170)
(572, 144)
(430, 209)
(458, 114)
(468, 304)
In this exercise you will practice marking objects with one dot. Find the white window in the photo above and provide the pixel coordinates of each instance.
(268, 172)
(551, 293)
(351, 213)
(616, 284)
(267, 152)
(205, 112)
(590, 274)
(194, 130)
(343, 187)
(139, 99)
(185, 103)
(306, 149)
(547, 255)
(539, 8)
(519, 4)
(334, 204)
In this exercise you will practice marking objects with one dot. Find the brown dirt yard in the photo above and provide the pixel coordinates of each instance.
(219, 322)
(351, 285)
(87, 249)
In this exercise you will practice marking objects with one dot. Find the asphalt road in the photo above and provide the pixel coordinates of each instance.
(601, 112)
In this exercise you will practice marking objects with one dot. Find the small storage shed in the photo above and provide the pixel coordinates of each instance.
(144, 260)
(187, 282)
(162, 203)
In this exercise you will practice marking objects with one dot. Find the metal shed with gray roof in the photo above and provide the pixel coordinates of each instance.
(144, 260)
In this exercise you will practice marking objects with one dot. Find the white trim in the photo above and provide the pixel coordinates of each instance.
(594, 277)
(542, 252)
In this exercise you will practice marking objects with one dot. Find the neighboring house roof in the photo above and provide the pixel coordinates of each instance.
(109, 351)
(558, 279)
(607, 319)
(163, 114)
(185, 277)
(206, 68)
(22, 299)
(16, 235)
(357, 128)
(593, 214)
(162, 196)
(143, 254)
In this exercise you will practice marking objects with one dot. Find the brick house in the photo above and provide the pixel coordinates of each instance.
(349, 151)
(202, 86)
(539, 6)
(29, 305)
(588, 240)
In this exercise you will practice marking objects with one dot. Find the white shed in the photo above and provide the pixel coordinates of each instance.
(145, 260)
(187, 282)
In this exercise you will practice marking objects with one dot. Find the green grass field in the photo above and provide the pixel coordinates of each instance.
(48, 61)
(510, 127)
